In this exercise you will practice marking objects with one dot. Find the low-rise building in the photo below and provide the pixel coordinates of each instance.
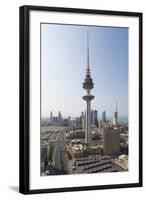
(122, 161)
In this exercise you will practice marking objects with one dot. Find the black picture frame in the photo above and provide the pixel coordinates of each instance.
(24, 123)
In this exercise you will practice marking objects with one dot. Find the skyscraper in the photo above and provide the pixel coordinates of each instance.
(104, 116)
(51, 117)
(83, 120)
(59, 117)
(88, 85)
(115, 117)
(111, 141)
(95, 118)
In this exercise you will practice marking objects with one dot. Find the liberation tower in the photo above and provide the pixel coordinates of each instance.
(88, 85)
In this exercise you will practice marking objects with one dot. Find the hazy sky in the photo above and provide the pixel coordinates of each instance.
(63, 65)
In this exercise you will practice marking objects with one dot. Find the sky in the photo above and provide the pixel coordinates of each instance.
(63, 66)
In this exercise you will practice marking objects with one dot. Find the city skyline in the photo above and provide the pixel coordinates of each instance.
(62, 77)
(123, 119)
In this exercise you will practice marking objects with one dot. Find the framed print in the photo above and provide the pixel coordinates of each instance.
(80, 99)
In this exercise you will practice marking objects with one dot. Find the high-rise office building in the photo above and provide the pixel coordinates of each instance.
(111, 141)
(83, 120)
(59, 117)
(95, 118)
(104, 116)
(115, 117)
(51, 117)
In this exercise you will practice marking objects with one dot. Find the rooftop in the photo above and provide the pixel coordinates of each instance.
(92, 165)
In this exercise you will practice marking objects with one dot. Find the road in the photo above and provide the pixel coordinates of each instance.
(60, 159)
(60, 148)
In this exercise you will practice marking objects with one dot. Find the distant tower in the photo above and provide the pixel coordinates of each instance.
(115, 117)
(83, 120)
(51, 117)
(104, 116)
(95, 118)
(68, 121)
(88, 85)
(59, 117)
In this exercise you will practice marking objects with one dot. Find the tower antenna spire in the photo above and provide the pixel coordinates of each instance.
(87, 48)
(88, 62)
(116, 106)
